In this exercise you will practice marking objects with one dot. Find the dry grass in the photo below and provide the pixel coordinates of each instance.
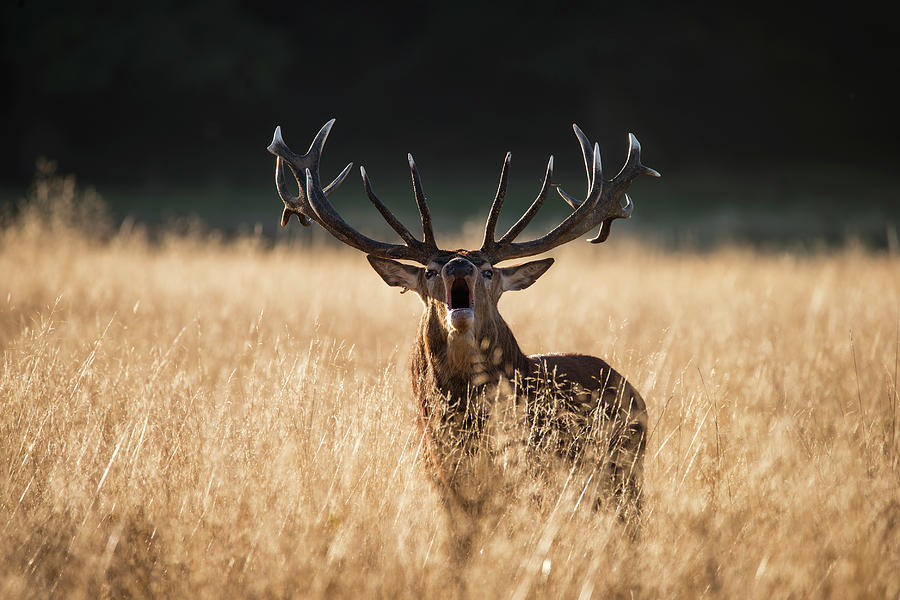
(207, 419)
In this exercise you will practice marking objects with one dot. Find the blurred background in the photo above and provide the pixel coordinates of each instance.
(771, 125)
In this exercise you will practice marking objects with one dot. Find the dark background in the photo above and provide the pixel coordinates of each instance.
(769, 123)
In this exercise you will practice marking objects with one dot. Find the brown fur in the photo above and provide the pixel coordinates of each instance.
(453, 405)
(577, 406)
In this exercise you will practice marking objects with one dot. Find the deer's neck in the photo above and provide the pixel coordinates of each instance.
(459, 363)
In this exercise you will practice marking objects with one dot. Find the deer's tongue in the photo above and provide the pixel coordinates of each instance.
(460, 319)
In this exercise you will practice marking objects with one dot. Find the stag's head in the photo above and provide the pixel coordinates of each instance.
(463, 286)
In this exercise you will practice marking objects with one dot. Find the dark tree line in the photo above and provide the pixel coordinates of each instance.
(137, 91)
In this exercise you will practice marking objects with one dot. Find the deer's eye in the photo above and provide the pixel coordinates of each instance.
(429, 273)
(487, 274)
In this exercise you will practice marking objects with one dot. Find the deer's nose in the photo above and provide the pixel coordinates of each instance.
(459, 268)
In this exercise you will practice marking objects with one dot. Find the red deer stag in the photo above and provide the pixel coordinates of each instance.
(464, 349)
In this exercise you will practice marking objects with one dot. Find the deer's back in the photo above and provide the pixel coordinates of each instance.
(593, 375)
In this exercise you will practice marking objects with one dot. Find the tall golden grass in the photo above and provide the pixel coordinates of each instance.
(209, 419)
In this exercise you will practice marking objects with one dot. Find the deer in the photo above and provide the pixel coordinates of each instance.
(464, 352)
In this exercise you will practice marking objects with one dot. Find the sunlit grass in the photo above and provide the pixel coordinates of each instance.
(196, 418)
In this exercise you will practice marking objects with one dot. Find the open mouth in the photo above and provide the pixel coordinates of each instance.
(459, 295)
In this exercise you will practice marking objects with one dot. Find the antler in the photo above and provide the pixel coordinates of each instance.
(600, 207)
(312, 203)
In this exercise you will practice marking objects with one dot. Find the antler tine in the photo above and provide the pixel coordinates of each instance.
(427, 229)
(560, 234)
(299, 205)
(395, 223)
(312, 203)
(529, 214)
(491, 225)
(587, 154)
(585, 144)
(592, 167)
(600, 207)
(337, 181)
(633, 166)
(617, 185)
(289, 199)
(332, 221)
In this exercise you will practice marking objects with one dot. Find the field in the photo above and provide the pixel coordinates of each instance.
(199, 418)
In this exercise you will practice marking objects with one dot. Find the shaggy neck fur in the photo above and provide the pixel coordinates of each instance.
(458, 363)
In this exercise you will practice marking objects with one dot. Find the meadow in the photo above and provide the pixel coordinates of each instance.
(199, 417)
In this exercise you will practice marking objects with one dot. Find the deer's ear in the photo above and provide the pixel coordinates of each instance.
(520, 277)
(395, 273)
